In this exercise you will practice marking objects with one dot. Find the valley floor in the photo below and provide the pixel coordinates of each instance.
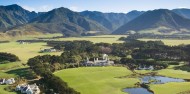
(89, 80)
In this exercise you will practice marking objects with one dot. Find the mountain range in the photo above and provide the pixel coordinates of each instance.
(156, 21)
(14, 20)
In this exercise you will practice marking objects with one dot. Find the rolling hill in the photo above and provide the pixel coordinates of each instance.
(156, 21)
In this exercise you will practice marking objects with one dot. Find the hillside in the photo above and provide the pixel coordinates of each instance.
(65, 21)
(183, 12)
(13, 15)
(156, 21)
(111, 21)
(14, 20)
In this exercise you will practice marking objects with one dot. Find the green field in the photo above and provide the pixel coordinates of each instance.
(25, 51)
(101, 80)
(95, 39)
(98, 80)
(171, 88)
(2, 91)
(171, 42)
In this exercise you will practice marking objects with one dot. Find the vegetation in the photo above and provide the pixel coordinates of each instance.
(8, 57)
(44, 66)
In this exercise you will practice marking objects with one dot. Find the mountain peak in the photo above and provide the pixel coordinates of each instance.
(14, 7)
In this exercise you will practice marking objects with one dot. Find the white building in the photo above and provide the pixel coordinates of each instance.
(28, 89)
(7, 81)
(2, 81)
(10, 81)
(99, 62)
(143, 67)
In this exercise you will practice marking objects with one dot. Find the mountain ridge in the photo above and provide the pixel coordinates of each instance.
(155, 19)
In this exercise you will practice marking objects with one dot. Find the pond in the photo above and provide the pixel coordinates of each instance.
(159, 79)
(137, 91)
(151, 80)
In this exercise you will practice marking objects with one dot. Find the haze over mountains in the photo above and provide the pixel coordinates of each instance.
(16, 20)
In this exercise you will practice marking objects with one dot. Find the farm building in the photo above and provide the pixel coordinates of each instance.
(28, 89)
(8, 81)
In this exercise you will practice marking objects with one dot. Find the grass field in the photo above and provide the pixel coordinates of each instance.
(170, 88)
(170, 42)
(95, 39)
(97, 80)
(25, 51)
(2, 91)
(11, 38)
(101, 80)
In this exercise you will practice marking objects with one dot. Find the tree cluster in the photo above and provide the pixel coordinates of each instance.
(8, 57)
(45, 66)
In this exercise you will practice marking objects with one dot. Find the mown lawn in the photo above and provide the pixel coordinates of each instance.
(170, 88)
(175, 73)
(97, 80)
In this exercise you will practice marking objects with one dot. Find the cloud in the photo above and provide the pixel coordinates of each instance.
(182, 7)
(43, 8)
(74, 8)
(28, 8)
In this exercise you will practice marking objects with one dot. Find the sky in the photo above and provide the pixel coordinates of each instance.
(119, 6)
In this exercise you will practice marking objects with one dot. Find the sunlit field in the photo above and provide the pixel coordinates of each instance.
(95, 39)
(25, 51)
(97, 80)
(171, 42)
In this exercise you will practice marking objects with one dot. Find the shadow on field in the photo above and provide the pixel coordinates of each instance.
(23, 72)
(183, 68)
